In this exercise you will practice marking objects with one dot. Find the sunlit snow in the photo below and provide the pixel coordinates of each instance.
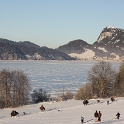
(87, 54)
(103, 49)
(52, 76)
(66, 112)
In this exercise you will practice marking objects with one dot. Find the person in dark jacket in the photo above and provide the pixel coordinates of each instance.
(96, 116)
(82, 119)
(118, 115)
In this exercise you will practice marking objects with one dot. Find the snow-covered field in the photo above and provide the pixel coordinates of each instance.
(70, 112)
(52, 76)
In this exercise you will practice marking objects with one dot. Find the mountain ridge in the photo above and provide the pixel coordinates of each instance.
(109, 46)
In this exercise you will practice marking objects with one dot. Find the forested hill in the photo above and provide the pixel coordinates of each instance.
(108, 46)
(10, 50)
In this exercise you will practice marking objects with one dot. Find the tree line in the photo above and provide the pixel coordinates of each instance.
(15, 90)
(104, 82)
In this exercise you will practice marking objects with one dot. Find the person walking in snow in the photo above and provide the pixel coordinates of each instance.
(99, 116)
(82, 119)
(108, 102)
(118, 115)
(96, 116)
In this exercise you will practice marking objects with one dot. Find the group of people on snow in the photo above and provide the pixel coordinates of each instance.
(15, 113)
(97, 116)
(85, 102)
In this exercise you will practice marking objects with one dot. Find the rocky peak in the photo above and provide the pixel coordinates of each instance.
(111, 35)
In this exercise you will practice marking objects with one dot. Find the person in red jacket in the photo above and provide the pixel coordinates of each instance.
(99, 116)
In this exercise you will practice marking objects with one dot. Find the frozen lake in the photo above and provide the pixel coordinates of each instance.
(53, 76)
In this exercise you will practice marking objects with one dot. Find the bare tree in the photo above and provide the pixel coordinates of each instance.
(102, 78)
(84, 92)
(120, 80)
(68, 95)
(5, 87)
(20, 88)
(14, 88)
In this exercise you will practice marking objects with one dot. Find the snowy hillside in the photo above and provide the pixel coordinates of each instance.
(108, 46)
(87, 55)
(67, 112)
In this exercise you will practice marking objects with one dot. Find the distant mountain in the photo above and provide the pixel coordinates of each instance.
(112, 41)
(10, 50)
(26, 43)
(111, 36)
(109, 46)
(2, 40)
(76, 46)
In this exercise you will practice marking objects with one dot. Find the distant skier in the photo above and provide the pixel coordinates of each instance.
(82, 119)
(96, 116)
(108, 102)
(118, 115)
(42, 108)
(85, 102)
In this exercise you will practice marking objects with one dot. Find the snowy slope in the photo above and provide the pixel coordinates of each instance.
(70, 113)
(88, 54)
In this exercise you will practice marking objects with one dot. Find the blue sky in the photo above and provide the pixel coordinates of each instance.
(53, 23)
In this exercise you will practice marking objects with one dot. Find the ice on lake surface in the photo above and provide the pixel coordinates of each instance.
(54, 76)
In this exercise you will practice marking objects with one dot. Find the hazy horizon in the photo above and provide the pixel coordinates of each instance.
(53, 23)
